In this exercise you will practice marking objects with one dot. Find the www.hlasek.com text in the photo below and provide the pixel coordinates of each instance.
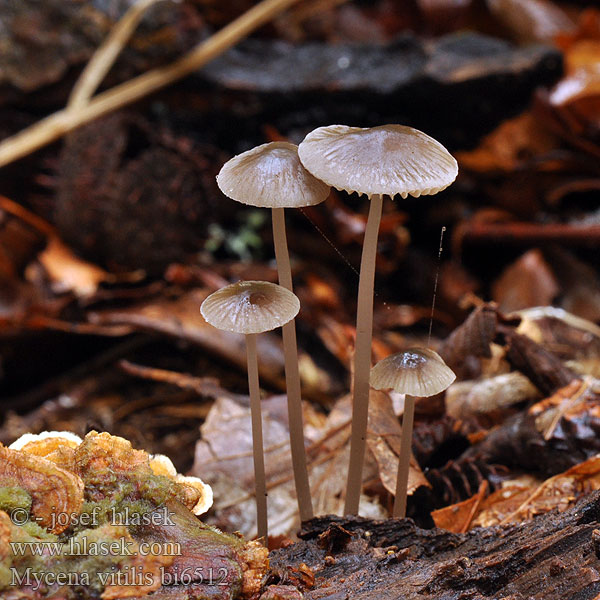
(81, 546)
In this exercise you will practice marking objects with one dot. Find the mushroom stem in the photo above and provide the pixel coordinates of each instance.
(292, 374)
(362, 357)
(260, 485)
(404, 461)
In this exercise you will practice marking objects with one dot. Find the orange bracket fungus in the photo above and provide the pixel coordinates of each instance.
(53, 490)
(416, 373)
(119, 522)
(272, 176)
(252, 307)
(379, 161)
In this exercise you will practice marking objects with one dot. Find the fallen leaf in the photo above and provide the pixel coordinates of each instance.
(383, 440)
(529, 281)
(458, 517)
(67, 272)
(512, 144)
(532, 20)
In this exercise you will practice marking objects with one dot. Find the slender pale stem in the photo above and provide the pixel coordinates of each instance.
(362, 357)
(260, 484)
(405, 453)
(292, 374)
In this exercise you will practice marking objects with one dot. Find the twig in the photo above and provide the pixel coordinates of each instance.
(530, 233)
(58, 124)
(483, 488)
(106, 54)
(564, 406)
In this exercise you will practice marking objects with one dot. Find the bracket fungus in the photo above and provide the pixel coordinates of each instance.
(378, 161)
(53, 490)
(272, 176)
(162, 465)
(114, 512)
(416, 373)
(252, 307)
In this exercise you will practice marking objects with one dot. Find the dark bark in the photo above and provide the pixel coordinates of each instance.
(554, 555)
(455, 88)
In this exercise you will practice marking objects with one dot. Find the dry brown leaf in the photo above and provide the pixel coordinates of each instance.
(532, 20)
(383, 440)
(514, 142)
(458, 517)
(582, 83)
(529, 281)
(224, 459)
(68, 272)
(471, 398)
(523, 500)
(465, 349)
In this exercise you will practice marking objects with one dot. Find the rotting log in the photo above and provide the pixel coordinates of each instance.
(554, 556)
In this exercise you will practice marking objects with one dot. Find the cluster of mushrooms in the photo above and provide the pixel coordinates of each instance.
(381, 161)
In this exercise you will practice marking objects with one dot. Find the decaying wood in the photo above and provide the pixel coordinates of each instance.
(437, 83)
(555, 555)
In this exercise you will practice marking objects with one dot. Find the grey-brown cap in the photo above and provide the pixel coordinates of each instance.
(250, 307)
(417, 372)
(271, 176)
(386, 160)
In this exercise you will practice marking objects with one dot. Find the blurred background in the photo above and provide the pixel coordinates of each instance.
(111, 236)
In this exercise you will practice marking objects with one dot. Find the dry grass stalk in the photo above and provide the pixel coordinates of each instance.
(59, 123)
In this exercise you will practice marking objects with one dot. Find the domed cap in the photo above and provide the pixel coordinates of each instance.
(417, 372)
(271, 176)
(390, 160)
(250, 307)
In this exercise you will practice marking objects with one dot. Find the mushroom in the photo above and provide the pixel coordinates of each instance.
(272, 176)
(252, 307)
(378, 161)
(416, 373)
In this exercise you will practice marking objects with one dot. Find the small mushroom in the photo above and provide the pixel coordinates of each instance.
(252, 307)
(416, 373)
(377, 161)
(272, 176)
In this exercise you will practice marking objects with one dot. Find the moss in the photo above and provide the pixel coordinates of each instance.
(13, 497)
(5, 576)
(123, 502)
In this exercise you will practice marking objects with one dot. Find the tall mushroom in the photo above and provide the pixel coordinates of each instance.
(416, 372)
(378, 161)
(271, 176)
(252, 307)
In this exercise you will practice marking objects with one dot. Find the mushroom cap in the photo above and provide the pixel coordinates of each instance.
(387, 160)
(250, 307)
(271, 176)
(417, 372)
